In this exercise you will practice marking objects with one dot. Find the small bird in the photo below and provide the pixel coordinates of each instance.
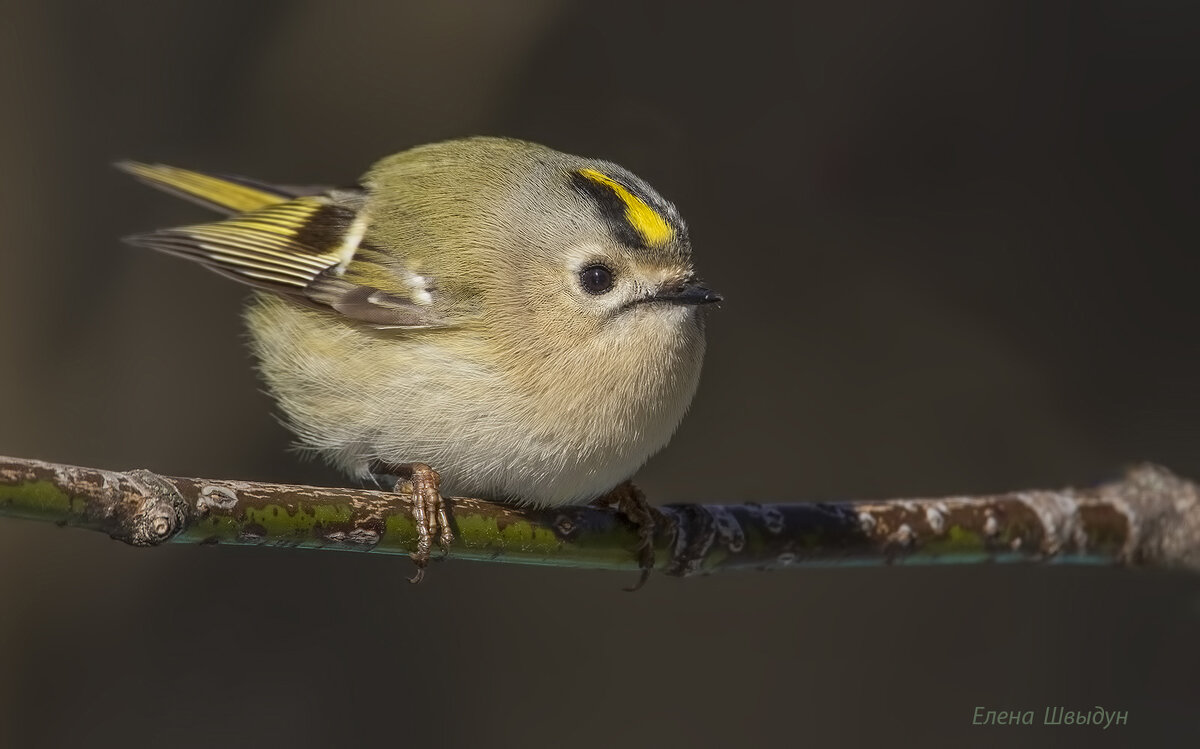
(524, 320)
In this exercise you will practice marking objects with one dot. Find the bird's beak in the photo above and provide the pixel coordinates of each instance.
(690, 292)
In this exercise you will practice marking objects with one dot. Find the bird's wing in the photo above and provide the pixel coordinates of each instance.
(298, 246)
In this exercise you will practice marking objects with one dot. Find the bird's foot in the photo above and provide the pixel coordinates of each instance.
(429, 510)
(631, 504)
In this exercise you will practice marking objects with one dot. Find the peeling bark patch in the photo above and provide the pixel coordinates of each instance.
(363, 536)
(357, 536)
(729, 530)
(216, 496)
(1059, 515)
(991, 526)
(773, 520)
(693, 538)
(252, 533)
(866, 522)
(935, 519)
(903, 537)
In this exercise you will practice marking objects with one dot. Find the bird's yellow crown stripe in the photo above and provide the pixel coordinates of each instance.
(644, 219)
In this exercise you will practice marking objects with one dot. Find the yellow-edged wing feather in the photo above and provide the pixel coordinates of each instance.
(296, 245)
(288, 244)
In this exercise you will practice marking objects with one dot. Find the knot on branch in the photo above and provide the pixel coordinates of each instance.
(154, 510)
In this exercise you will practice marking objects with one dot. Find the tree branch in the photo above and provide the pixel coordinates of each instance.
(1151, 518)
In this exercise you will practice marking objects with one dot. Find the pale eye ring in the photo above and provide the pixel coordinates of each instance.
(596, 279)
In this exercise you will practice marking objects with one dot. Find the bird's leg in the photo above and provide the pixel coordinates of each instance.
(429, 511)
(631, 504)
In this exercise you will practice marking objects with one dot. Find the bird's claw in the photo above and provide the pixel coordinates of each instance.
(630, 503)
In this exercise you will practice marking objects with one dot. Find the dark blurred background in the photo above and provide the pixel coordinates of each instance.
(959, 247)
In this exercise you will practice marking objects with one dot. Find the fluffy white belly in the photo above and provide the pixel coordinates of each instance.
(401, 399)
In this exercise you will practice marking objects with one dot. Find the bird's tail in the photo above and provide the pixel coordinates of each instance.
(225, 193)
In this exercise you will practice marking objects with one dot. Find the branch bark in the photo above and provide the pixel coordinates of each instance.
(1151, 517)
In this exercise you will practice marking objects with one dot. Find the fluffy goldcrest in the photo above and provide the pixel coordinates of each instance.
(525, 321)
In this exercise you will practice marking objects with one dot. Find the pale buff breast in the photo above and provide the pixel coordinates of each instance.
(545, 431)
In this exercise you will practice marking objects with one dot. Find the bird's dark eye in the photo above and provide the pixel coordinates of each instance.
(596, 279)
